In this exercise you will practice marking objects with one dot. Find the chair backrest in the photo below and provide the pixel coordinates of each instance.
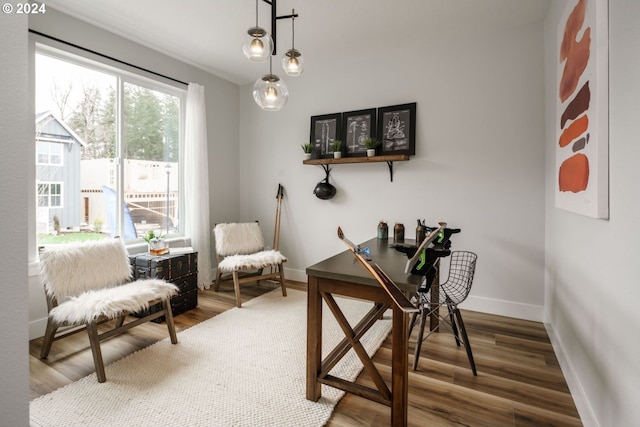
(241, 238)
(73, 268)
(462, 268)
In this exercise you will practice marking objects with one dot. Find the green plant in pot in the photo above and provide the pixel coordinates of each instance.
(307, 149)
(336, 147)
(371, 144)
(156, 242)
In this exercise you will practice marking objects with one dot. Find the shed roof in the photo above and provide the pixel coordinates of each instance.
(51, 128)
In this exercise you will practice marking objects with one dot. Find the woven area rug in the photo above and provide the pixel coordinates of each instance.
(244, 367)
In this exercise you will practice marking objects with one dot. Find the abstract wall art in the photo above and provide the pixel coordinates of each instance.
(582, 115)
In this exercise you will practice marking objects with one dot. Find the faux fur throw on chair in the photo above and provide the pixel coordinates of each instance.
(92, 279)
(253, 261)
(71, 269)
(238, 238)
(242, 247)
(111, 302)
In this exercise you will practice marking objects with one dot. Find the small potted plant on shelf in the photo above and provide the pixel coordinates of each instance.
(307, 149)
(336, 146)
(371, 144)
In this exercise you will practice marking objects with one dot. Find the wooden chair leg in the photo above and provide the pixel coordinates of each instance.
(412, 322)
(236, 286)
(454, 326)
(281, 276)
(94, 341)
(49, 335)
(216, 285)
(414, 316)
(423, 323)
(465, 340)
(120, 320)
(168, 316)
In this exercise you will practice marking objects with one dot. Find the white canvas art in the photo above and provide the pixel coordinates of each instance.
(582, 115)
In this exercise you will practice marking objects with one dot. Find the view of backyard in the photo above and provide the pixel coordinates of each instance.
(85, 170)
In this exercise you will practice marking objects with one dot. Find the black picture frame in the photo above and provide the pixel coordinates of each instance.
(356, 126)
(325, 129)
(397, 129)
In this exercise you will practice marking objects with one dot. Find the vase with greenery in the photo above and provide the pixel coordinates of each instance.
(156, 243)
(371, 144)
(336, 146)
(307, 149)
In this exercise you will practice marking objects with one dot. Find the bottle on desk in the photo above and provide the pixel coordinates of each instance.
(421, 232)
(398, 233)
(383, 230)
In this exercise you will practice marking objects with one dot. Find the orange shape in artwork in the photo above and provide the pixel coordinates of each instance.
(573, 174)
(572, 28)
(574, 130)
(574, 67)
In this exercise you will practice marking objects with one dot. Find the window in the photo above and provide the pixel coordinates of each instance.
(50, 195)
(49, 153)
(111, 140)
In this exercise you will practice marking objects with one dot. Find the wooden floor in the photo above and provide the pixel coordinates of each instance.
(519, 382)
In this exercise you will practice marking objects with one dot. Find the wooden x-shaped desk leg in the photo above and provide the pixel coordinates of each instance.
(318, 369)
(352, 340)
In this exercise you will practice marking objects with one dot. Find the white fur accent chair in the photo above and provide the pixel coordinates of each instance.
(240, 247)
(90, 283)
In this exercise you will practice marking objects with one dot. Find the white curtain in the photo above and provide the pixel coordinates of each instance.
(197, 182)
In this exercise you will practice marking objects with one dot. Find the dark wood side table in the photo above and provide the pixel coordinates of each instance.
(342, 274)
(179, 269)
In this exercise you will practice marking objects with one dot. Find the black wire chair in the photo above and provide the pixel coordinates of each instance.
(451, 293)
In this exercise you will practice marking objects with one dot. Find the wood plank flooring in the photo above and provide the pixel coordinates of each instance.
(519, 381)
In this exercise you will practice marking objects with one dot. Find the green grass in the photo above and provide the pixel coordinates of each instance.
(50, 239)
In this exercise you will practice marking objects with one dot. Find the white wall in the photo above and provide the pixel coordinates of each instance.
(14, 367)
(222, 124)
(479, 161)
(592, 267)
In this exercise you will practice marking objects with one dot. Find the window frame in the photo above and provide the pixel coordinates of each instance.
(60, 195)
(49, 145)
(123, 76)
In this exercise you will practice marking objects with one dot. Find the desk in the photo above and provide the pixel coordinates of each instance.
(342, 274)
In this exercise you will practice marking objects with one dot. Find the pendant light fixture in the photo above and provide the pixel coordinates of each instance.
(292, 60)
(257, 44)
(269, 91)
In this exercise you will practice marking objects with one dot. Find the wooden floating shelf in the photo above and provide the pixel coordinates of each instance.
(389, 158)
(374, 159)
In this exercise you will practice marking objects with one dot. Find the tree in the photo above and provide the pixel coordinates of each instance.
(94, 121)
(108, 124)
(171, 108)
(60, 97)
(143, 124)
(151, 123)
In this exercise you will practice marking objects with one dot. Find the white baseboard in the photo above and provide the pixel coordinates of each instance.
(295, 275)
(484, 305)
(37, 328)
(585, 411)
(504, 308)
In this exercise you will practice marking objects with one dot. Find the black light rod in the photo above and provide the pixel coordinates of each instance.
(274, 18)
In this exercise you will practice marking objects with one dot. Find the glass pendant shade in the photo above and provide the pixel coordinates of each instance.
(293, 62)
(270, 93)
(257, 44)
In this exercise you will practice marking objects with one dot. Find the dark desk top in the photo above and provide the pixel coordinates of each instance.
(344, 266)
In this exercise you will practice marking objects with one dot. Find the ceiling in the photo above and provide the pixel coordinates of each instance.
(208, 33)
